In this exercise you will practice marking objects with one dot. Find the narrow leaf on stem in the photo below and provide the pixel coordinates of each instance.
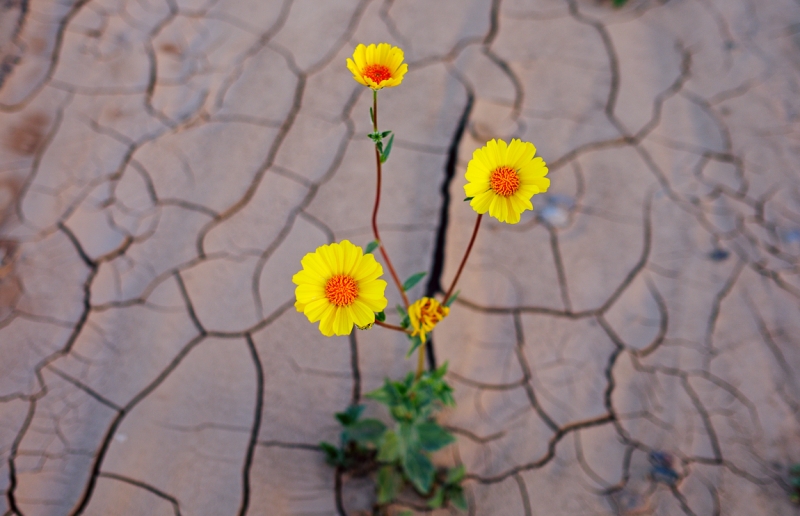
(415, 343)
(371, 246)
(385, 154)
(450, 301)
(413, 280)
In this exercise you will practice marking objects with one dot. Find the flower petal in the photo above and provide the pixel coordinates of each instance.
(307, 293)
(481, 203)
(475, 189)
(362, 314)
(326, 321)
(534, 168)
(512, 215)
(342, 321)
(520, 153)
(360, 56)
(316, 309)
(368, 269)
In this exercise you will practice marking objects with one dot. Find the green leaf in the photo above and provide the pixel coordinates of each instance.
(457, 498)
(456, 475)
(450, 301)
(416, 342)
(406, 513)
(365, 431)
(380, 316)
(333, 455)
(384, 134)
(385, 153)
(405, 322)
(795, 469)
(468, 198)
(433, 437)
(419, 470)
(371, 246)
(389, 394)
(389, 447)
(371, 116)
(390, 481)
(619, 3)
(437, 500)
(413, 280)
(351, 415)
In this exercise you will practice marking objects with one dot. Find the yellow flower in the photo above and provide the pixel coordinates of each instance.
(339, 286)
(424, 314)
(503, 178)
(377, 66)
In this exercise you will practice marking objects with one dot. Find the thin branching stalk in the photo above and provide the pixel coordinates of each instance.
(378, 202)
(463, 260)
(390, 326)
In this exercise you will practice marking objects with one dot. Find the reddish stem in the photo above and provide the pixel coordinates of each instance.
(390, 326)
(378, 202)
(464, 260)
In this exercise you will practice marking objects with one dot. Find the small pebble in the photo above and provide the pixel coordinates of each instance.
(719, 255)
(556, 211)
(792, 236)
(662, 469)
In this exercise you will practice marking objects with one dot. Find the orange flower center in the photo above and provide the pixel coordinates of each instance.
(504, 181)
(341, 290)
(377, 72)
(431, 313)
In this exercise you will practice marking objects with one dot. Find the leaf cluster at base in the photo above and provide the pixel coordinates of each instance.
(794, 482)
(401, 454)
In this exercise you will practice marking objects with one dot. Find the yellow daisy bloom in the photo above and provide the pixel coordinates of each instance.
(503, 178)
(424, 314)
(339, 287)
(378, 66)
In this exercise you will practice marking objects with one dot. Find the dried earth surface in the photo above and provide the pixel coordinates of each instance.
(165, 164)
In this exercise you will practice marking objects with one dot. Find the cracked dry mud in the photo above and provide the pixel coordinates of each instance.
(164, 164)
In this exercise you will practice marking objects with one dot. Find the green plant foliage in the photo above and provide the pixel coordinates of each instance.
(378, 137)
(390, 482)
(450, 491)
(385, 152)
(452, 299)
(358, 439)
(416, 342)
(413, 280)
(405, 322)
(371, 246)
(400, 453)
(619, 3)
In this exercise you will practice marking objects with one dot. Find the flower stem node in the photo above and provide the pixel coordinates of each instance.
(377, 66)
(424, 314)
(502, 178)
(339, 287)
